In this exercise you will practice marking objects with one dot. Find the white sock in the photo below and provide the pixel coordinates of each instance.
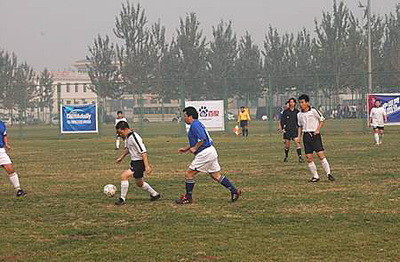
(376, 136)
(326, 166)
(14, 180)
(380, 138)
(313, 169)
(149, 189)
(124, 188)
(117, 143)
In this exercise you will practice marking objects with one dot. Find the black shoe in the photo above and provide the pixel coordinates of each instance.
(116, 148)
(154, 198)
(20, 193)
(183, 200)
(235, 196)
(314, 180)
(119, 202)
(285, 160)
(331, 178)
(301, 160)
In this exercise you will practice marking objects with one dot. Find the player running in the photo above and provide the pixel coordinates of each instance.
(243, 119)
(120, 117)
(378, 118)
(205, 160)
(289, 125)
(310, 123)
(139, 163)
(5, 160)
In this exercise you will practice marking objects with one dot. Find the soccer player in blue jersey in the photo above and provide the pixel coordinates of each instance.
(205, 160)
(5, 160)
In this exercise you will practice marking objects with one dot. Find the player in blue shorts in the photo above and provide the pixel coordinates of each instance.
(205, 160)
(5, 160)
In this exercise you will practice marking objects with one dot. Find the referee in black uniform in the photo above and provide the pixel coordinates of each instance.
(310, 123)
(290, 129)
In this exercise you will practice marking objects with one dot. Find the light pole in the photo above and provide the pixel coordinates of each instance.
(368, 11)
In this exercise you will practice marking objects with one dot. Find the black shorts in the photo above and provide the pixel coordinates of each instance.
(378, 127)
(312, 142)
(243, 123)
(138, 168)
(290, 134)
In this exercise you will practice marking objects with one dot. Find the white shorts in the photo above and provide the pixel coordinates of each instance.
(206, 161)
(4, 158)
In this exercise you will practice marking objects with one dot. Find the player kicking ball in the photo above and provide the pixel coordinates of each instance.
(289, 125)
(378, 118)
(139, 163)
(310, 123)
(205, 160)
(5, 160)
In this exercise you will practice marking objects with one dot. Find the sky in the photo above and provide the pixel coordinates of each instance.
(55, 33)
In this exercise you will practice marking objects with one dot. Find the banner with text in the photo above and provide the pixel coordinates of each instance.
(391, 104)
(79, 118)
(211, 114)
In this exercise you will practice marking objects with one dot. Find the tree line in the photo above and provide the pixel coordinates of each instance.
(328, 60)
(21, 89)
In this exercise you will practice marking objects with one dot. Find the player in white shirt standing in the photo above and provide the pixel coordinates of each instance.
(120, 117)
(377, 121)
(310, 123)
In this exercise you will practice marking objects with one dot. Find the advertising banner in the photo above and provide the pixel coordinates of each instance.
(211, 114)
(79, 118)
(391, 104)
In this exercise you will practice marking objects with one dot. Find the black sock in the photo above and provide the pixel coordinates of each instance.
(247, 132)
(243, 132)
(299, 152)
(286, 152)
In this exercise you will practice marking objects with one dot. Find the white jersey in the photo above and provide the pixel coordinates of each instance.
(135, 146)
(117, 120)
(378, 115)
(309, 120)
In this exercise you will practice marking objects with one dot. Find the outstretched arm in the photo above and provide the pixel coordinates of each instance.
(119, 159)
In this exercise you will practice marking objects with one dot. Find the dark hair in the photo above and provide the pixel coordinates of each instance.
(304, 97)
(294, 100)
(242, 107)
(191, 111)
(119, 112)
(287, 102)
(378, 100)
(122, 125)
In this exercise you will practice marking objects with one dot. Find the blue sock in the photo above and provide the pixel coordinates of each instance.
(226, 183)
(189, 188)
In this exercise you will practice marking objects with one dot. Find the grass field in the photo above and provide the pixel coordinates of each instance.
(280, 217)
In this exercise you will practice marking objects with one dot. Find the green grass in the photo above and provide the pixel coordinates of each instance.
(281, 217)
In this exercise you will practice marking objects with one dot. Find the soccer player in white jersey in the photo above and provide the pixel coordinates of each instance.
(5, 160)
(310, 123)
(205, 160)
(139, 163)
(378, 118)
(120, 117)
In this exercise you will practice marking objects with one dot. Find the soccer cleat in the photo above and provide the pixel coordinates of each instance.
(20, 192)
(301, 160)
(314, 180)
(331, 178)
(235, 196)
(154, 198)
(183, 200)
(285, 159)
(119, 202)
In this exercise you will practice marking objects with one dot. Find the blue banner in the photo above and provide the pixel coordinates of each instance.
(391, 104)
(79, 118)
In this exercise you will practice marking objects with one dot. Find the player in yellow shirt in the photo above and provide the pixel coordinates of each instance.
(243, 119)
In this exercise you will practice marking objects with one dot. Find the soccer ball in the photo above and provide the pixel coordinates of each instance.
(110, 190)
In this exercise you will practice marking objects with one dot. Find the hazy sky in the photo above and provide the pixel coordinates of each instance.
(55, 33)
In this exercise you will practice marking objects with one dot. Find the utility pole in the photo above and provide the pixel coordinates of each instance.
(369, 47)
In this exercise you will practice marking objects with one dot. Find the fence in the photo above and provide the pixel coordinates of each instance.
(158, 111)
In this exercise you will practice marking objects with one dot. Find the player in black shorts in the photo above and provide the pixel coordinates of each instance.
(310, 121)
(139, 163)
(290, 129)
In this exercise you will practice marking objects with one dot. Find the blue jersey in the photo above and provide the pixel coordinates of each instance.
(3, 133)
(197, 133)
